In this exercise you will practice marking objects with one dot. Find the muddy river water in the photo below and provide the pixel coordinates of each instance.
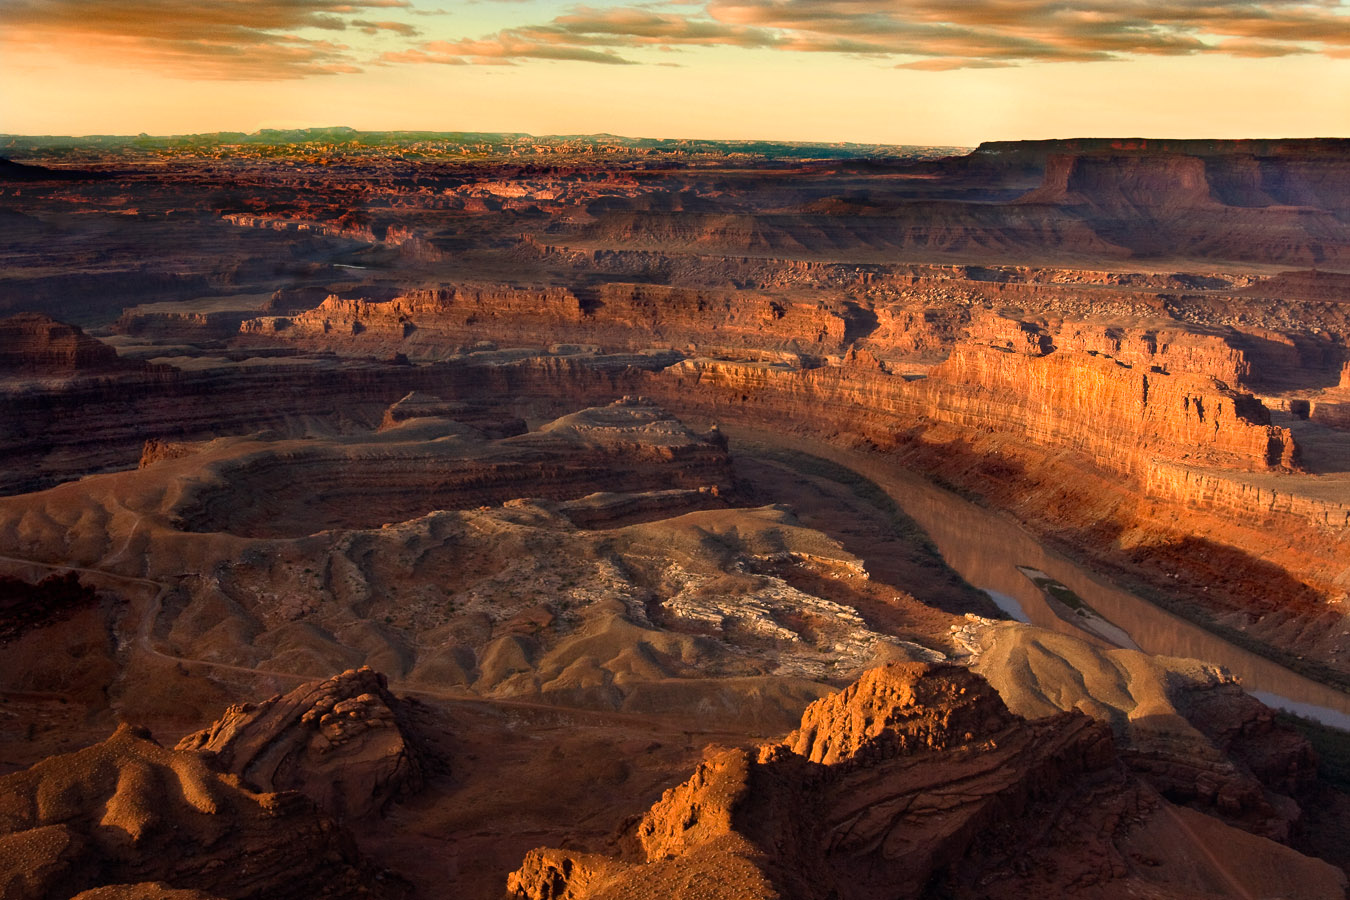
(986, 548)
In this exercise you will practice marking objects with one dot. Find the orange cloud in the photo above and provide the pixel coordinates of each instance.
(932, 34)
(503, 48)
(274, 39)
(224, 39)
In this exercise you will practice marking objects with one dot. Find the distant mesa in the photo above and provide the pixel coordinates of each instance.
(12, 171)
(1038, 151)
(34, 344)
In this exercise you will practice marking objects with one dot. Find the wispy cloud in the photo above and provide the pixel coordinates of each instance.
(277, 39)
(922, 34)
(502, 50)
(369, 27)
(226, 39)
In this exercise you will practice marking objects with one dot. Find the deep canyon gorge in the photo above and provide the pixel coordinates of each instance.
(602, 522)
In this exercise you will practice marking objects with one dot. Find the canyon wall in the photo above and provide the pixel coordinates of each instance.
(433, 323)
(1240, 499)
(1118, 416)
(1123, 397)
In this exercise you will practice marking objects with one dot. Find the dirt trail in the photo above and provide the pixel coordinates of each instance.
(1217, 866)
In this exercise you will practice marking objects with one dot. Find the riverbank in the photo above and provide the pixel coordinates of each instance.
(986, 547)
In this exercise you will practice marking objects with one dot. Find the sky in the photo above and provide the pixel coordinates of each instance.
(950, 73)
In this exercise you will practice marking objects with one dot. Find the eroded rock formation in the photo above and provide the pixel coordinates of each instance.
(416, 456)
(128, 815)
(434, 323)
(917, 779)
(345, 743)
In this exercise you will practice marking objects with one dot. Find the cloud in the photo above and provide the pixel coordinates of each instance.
(206, 39)
(369, 27)
(277, 39)
(503, 48)
(948, 63)
(1262, 49)
(934, 35)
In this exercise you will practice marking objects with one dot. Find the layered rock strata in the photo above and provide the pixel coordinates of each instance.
(1119, 417)
(915, 780)
(127, 814)
(274, 488)
(35, 345)
(432, 323)
(345, 743)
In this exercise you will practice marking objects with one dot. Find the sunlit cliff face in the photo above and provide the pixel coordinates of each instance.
(863, 71)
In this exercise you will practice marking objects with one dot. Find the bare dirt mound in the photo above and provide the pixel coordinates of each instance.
(1186, 727)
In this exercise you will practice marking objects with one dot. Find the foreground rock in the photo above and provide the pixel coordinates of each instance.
(342, 742)
(128, 818)
(916, 781)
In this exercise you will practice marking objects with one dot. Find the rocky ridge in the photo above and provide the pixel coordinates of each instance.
(1185, 727)
(436, 323)
(913, 780)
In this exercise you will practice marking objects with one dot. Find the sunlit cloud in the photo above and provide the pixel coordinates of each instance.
(282, 39)
(1251, 49)
(205, 39)
(502, 49)
(933, 35)
(947, 64)
(369, 27)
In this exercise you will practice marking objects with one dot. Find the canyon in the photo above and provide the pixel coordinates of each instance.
(553, 528)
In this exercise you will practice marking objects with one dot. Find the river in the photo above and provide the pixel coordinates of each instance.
(986, 547)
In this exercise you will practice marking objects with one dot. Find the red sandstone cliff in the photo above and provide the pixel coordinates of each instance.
(1117, 415)
(616, 316)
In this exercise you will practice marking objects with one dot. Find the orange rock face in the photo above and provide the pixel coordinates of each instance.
(625, 316)
(916, 779)
(1120, 416)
